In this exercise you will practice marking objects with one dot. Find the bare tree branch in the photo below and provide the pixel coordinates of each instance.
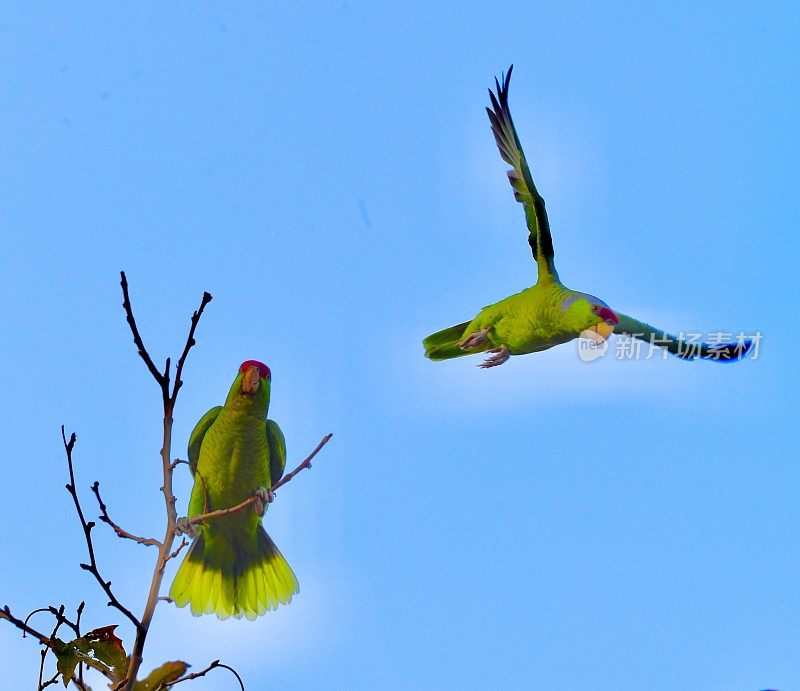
(59, 613)
(5, 613)
(219, 513)
(77, 630)
(189, 343)
(305, 464)
(211, 515)
(165, 552)
(174, 553)
(137, 339)
(214, 665)
(36, 611)
(52, 681)
(91, 567)
(52, 643)
(44, 684)
(119, 531)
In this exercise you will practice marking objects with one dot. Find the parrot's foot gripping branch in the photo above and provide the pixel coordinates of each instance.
(473, 340)
(184, 527)
(263, 496)
(501, 355)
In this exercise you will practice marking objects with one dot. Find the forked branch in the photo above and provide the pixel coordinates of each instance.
(91, 567)
(165, 551)
(119, 531)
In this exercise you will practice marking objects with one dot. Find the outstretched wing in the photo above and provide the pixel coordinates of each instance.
(277, 451)
(197, 435)
(684, 348)
(521, 180)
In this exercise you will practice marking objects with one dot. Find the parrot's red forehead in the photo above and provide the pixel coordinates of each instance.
(263, 370)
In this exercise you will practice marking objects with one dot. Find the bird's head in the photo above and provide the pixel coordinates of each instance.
(250, 389)
(589, 316)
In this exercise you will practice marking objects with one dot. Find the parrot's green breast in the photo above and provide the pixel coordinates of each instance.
(233, 463)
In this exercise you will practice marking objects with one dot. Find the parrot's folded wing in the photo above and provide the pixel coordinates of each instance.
(277, 451)
(686, 349)
(505, 134)
(199, 431)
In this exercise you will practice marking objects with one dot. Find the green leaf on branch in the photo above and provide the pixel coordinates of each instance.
(66, 662)
(168, 672)
(99, 649)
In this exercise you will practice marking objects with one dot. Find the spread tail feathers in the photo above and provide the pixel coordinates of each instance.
(245, 578)
(443, 345)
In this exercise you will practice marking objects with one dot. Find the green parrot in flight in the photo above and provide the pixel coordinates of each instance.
(233, 568)
(548, 313)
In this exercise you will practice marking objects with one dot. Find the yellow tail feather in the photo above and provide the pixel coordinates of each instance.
(233, 580)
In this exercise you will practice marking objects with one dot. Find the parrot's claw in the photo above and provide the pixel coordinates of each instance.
(264, 496)
(473, 340)
(183, 527)
(501, 355)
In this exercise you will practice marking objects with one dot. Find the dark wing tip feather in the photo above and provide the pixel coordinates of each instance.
(501, 123)
(505, 136)
(729, 352)
(506, 80)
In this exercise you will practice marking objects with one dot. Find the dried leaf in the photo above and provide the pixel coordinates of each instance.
(107, 648)
(99, 649)
(169, 671)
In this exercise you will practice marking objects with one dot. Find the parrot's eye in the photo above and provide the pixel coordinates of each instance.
(263, 370)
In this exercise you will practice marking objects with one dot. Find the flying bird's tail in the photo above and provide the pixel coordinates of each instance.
(443, 345)
(244, 576)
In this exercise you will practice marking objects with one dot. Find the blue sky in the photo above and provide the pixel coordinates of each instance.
(327, 172)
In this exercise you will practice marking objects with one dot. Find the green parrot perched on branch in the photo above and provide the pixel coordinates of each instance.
(233, 567)
(548, 313)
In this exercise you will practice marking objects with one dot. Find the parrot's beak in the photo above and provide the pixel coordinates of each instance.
(598, 333)
(604, 329)
(251, 380)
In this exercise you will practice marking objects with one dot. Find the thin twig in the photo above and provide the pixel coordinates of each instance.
(219, 513)
(59, 614)
(91, 567)
(36, 611)
(52, 643)
(165, 552)
(119, 531)
(60, 619)
(305, 464)
(174, 553)
(5, 613)
(77, 630)
(42, 684)
(189, 343)
(52, 681)
(214, 665)
(137, 339)
(211, 515)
